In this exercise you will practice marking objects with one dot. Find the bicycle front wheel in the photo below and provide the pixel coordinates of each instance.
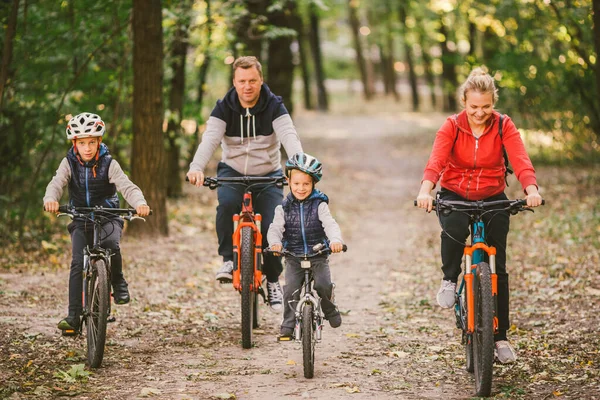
(308, 341)
(97, 308)
(483, 337)
(248, 295)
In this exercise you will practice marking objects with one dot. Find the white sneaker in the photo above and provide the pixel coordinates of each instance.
(225, 274)
(446, 295)
(504, 352)
(275, 296)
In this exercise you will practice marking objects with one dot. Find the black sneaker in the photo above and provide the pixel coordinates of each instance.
(69, 325)
(121, 292)
(335, 319)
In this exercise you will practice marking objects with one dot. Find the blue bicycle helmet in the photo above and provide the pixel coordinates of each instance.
(305, 163)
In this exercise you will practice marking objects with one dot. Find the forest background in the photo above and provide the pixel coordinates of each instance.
(154, 69)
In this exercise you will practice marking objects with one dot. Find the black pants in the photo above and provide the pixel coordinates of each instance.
(82, 234)
(265, 198)
(454, 235)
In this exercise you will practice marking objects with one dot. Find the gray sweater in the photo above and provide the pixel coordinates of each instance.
(132, 194)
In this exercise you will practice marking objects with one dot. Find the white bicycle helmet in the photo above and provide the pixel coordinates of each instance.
(85, 125)
(305, 163)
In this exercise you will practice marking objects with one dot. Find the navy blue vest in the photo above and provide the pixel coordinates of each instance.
(87, 190)
(303, 229)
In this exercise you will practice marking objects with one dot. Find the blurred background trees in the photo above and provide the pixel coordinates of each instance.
(155, 88)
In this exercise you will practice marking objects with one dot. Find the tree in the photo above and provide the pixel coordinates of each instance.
(7, 49)
(315, 45)
(280, 72)
(360, 59)
(149, 167)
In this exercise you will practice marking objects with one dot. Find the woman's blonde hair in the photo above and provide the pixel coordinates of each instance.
(478, 81)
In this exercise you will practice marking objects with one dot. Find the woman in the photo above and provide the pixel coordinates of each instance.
(467, 156)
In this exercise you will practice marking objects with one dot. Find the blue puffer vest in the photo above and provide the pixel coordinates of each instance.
(87, 190)
(303, 229)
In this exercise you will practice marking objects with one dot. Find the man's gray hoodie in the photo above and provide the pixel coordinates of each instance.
(250, 137)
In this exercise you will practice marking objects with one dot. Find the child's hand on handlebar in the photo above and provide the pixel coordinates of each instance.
(196, 178)
(51, 206)
(142, 210)
(336, 247)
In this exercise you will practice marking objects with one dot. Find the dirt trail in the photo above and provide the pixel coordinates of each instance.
(180, 336)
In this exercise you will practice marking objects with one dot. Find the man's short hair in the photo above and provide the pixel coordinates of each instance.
(246, 62)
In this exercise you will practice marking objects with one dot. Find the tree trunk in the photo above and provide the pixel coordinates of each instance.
(596, 5)
(7, 49)
(298, 25)
(281, 65)
(176, 100)
(315, 44)
(412, 75)
(360, 60)
(246, 27)
(203, 72)
(449, 80)
(149, 167)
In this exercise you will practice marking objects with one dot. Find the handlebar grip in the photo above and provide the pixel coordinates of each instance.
(344, 248)
(63, 209)
(415, 203)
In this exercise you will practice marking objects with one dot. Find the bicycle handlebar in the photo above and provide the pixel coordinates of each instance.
(320, 252)
(83, 211)
(510, 205)
(214, 182)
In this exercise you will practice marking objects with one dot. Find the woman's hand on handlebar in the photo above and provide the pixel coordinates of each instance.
(533, 197)
(336, 247)
(196, 178)
(424, 198)
(51, 206)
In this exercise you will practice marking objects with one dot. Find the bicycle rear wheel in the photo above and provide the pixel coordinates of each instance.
(249, 299)
(97, 308)
(483, 337)
(308, 341)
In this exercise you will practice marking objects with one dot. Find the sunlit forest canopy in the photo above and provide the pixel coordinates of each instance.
(63, 57)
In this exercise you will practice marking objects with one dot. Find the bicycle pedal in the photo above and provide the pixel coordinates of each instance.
(111, 319)
(284, 338)
(69, 332)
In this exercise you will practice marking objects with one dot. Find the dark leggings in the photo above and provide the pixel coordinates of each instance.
(454, 235)
(82, 234)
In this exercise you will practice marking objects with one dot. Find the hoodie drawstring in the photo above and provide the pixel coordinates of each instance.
(249, 116)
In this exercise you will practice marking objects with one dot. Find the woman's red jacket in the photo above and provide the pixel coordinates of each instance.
(474, 167)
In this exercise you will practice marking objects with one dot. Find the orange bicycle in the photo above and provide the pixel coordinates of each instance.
(247, 249)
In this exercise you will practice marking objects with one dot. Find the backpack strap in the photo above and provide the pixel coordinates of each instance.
(508, 170)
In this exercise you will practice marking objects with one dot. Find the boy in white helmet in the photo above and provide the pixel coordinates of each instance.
(93, 178)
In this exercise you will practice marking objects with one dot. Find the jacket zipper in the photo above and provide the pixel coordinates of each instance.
(87, 190)
(302, 226)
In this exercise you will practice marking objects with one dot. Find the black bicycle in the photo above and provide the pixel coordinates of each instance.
(308, 312)
(96, 278)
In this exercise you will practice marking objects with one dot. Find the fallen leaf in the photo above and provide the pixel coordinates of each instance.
(224, 396)
(353, 389)
(147, 392)
(291, 362)
(352, 335)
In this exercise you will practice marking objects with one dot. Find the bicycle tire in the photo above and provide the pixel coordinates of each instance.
(308, 341)
(247, 280)
(97, 307)
(468, 339)
(483, 337)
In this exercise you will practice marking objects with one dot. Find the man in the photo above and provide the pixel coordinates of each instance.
(251, 124)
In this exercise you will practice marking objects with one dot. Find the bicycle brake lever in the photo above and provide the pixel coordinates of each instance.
(64, 215)
(133, 217)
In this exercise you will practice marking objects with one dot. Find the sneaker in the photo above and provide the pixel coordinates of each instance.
(335, 319)
(286, 332)
(69, 323)
(505, 352)
(275, 296)
(225, 274)
(121, 292)
(446, 294)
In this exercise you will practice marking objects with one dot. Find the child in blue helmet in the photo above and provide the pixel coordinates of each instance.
(302, 221)
(93, 179)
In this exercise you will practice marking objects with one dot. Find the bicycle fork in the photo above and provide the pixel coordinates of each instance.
(316, 304)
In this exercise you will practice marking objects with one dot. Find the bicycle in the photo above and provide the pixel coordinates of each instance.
(96, 279)
(476, 305)
(247, 249)
(308, 312)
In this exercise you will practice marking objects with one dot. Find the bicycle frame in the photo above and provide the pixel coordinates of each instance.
(247, 218)
(475, 254)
